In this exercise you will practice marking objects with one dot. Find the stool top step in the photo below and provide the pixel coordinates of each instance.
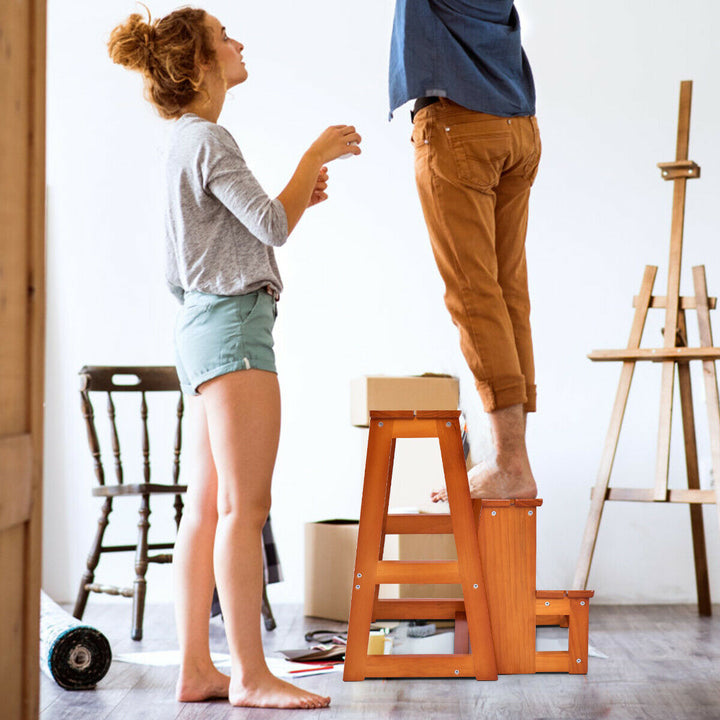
(414, 414)
(500, 502)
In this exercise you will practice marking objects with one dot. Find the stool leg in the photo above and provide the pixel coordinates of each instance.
(507, 549)
(578, 636)
(378, 469)
(92, 561)
(468, 550)
(388, 483)
(461, 644)
(141, 564)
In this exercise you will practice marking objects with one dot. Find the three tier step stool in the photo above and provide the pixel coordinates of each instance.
(496, 618)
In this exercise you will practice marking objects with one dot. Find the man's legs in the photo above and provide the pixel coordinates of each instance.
(510, 474)
(477, 231)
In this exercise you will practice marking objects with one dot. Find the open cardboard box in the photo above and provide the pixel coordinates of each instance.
(382, 392)
(330, 562)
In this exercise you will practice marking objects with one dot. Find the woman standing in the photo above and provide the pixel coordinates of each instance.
(221, 229)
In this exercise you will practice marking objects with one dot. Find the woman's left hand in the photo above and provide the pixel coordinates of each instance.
(318, 193)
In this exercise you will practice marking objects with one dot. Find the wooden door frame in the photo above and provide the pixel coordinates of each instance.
(23, 43)
(36, 291)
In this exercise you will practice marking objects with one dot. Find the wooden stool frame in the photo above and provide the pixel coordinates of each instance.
(495, 620)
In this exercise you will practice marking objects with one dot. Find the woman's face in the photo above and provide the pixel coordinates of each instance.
(228, 52)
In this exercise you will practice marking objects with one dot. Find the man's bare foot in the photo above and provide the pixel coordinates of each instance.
(513, 479)
(270, 691)
(196, 685)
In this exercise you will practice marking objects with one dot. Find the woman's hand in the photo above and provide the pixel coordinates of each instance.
(336, 141)
(308, 183)
(318, 193)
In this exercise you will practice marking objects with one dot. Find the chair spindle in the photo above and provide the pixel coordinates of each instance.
(115, 439)
(145, 438)
(89, 415)
(178, 504)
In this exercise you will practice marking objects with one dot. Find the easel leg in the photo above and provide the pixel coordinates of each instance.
(667, 389)
(710, 375)
(693, 477)
(597, 503)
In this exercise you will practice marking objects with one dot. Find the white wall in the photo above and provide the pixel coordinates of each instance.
(362, 293)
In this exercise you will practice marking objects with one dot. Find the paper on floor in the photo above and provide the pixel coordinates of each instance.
(277, 666)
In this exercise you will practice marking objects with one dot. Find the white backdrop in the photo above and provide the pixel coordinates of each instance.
(362, 293)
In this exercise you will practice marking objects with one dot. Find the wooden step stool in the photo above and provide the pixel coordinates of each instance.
(495, 620)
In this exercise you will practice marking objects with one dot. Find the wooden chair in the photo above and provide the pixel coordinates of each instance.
(138, 380)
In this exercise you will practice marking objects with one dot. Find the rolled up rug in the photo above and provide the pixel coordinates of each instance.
(73, 654)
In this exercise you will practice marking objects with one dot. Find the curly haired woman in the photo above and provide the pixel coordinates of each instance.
(221, 231)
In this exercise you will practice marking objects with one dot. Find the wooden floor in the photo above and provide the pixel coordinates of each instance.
(663, 664)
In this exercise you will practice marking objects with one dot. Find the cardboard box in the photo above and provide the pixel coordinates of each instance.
(330, 547)
(329, 565)
(380, 392)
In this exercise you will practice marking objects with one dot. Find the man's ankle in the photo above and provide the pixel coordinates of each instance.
(512, 460)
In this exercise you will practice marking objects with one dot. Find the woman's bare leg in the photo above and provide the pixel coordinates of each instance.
(193, 565)
(243, 412)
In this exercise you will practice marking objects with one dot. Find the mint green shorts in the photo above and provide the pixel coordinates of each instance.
(218, 334)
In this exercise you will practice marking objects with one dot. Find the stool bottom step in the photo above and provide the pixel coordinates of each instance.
(416, 666)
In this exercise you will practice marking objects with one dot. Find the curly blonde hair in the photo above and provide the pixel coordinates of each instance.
(170, 54)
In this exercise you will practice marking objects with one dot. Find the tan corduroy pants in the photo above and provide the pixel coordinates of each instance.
(474, 172)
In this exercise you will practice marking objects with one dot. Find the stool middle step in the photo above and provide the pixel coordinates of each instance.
(370, 570)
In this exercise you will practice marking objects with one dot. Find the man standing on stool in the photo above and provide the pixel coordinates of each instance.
(477, 149)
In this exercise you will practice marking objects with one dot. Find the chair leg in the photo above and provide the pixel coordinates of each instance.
(141, 565)
(92, 561)
(267, 614)
(215, 608)
(178, 505)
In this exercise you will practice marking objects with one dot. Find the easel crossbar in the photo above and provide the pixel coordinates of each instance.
(687, 302)
(677, 354)
(685, 496)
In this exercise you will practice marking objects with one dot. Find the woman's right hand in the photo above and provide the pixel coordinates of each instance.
(306, 185)
(336, 141)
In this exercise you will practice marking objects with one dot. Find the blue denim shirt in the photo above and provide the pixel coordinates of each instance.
(466, 50)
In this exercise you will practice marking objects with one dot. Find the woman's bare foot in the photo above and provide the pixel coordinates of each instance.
(270, 691)
(198, 685)
(512, 479)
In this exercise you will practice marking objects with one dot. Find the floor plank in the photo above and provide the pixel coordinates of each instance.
(664, 663)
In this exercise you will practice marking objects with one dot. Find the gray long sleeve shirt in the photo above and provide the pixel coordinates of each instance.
(220, 225)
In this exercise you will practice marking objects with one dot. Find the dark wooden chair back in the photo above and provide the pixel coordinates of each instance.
(128, 379)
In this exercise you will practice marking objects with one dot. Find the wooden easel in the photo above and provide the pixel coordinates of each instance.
(674, 352)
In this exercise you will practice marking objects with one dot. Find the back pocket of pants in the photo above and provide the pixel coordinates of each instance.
(479, 158)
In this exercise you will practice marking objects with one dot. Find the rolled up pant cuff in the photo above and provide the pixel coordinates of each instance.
(508, 392)
(531, 402)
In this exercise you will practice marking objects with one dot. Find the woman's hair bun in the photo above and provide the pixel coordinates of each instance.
(131, 43)
(172, 53)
